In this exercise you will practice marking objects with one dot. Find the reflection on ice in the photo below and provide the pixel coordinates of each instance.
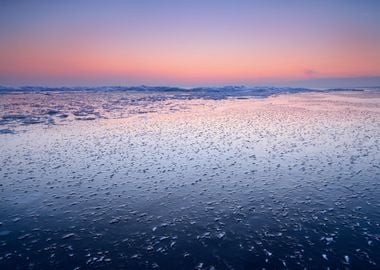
(288, 181)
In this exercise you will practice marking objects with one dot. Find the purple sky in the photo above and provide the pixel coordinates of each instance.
(189, 43)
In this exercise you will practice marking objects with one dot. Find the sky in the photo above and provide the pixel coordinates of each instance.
(190, 43)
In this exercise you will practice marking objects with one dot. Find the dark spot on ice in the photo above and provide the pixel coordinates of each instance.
(14, 117)
(85, 118)
(7, 131)
(52, 112)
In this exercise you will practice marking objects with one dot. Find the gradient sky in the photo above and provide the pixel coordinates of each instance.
(189, 43)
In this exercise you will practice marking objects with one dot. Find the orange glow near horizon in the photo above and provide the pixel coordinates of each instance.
(159, 51)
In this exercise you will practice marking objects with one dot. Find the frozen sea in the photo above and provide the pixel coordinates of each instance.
(189, 179)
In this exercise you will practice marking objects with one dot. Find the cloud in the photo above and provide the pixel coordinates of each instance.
(310, 72)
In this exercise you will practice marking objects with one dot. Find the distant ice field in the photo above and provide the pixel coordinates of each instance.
(185, 180)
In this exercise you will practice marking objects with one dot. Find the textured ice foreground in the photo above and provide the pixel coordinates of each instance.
(291, 181)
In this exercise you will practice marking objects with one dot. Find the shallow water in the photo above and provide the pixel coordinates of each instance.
(285, 182)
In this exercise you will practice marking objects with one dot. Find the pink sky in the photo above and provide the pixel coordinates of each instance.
(187, 44)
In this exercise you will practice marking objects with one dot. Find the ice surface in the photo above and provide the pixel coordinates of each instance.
(160, 182)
